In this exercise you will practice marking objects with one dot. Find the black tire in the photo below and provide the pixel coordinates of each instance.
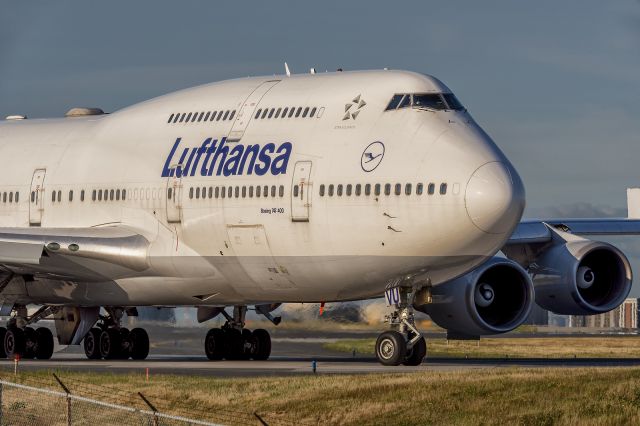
(139, 340)
(233, 344)
(248, 343)
(416, 354)
(391, 348)
(14, 343)
(30, 343)
(125, 343)
(3, 331)
(110, 345)
(214, 344)
(92, 344)
(262, 349)
(44, 347)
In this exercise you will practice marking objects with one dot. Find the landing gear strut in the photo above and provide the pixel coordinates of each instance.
(109, 340)
(403, 344)
(17, 339)
(234, 342)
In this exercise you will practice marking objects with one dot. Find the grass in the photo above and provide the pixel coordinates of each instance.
(534, 347)
(607, 396)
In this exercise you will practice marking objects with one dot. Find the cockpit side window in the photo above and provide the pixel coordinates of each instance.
(406, 102)
(452, 101)
(395, 101)
(430, 101)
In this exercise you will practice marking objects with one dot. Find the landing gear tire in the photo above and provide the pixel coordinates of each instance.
(262, 345)
(125, 343)
(391, 348)
(44, 343)
(92, 344)
(214, 344)
(3, 332)
(139, 344)
(14, 342)
(248, 343)
(416, 354)
(110, 344)
(30, 343)
(234, 344)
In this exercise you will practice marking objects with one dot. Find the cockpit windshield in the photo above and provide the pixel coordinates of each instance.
(431, 101)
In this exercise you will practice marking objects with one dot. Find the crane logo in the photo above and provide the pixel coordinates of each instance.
(372, 156)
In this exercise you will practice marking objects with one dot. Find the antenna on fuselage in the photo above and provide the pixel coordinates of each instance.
(286, 69)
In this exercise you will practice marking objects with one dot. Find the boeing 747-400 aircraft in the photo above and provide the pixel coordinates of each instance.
(261, 191)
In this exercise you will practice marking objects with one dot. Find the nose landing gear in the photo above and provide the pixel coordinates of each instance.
(403, 344)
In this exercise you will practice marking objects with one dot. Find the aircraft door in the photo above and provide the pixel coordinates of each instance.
(174, 197)
(301, 192)
(247, 110)
(36, 197)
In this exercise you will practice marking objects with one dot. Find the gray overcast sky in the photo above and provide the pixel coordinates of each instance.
(555, 83)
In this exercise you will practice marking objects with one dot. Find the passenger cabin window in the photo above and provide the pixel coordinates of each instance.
(443, 188)
(431, 189)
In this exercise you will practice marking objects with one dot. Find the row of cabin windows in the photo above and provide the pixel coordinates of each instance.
(192, 117)
(11, 197)
(357, 189)
(287, 112)
(230, 191)
(96, 195)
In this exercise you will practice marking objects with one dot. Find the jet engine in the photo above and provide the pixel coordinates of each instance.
(581, 277)
(494, 298)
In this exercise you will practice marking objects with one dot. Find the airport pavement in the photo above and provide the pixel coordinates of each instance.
(179, 351)
(279, 365)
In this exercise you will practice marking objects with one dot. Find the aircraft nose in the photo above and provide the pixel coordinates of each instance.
(494, 198)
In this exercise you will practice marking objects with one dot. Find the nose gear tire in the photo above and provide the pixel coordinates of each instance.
(416, 354)
(391, 348)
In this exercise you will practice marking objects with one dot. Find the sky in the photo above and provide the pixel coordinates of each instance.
(556, 84)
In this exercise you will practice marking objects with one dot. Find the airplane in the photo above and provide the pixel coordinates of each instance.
(254, 192)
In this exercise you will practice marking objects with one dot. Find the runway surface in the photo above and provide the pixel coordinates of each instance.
(199, 365)
(179, 351)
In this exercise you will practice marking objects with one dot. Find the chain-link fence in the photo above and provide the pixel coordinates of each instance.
(49, 400)
(27, 405)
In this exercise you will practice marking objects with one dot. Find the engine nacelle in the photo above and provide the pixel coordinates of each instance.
(494, 298)
(581, 277)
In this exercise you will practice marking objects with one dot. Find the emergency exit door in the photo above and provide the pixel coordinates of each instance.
(36, 197)
(301, 192)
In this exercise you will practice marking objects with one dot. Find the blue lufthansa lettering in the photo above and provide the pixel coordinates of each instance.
(212, 156)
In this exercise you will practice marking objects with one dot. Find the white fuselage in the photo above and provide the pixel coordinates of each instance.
(294, 245)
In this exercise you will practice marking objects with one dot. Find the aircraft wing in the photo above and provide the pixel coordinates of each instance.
(73, 253)
(538, 231)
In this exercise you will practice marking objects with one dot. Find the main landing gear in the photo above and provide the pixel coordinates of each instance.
(403, 344)
(234, 342)
(109, 340)
(19, 340)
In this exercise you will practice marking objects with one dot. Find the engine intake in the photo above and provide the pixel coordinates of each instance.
(494, 298)
(581, 277)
